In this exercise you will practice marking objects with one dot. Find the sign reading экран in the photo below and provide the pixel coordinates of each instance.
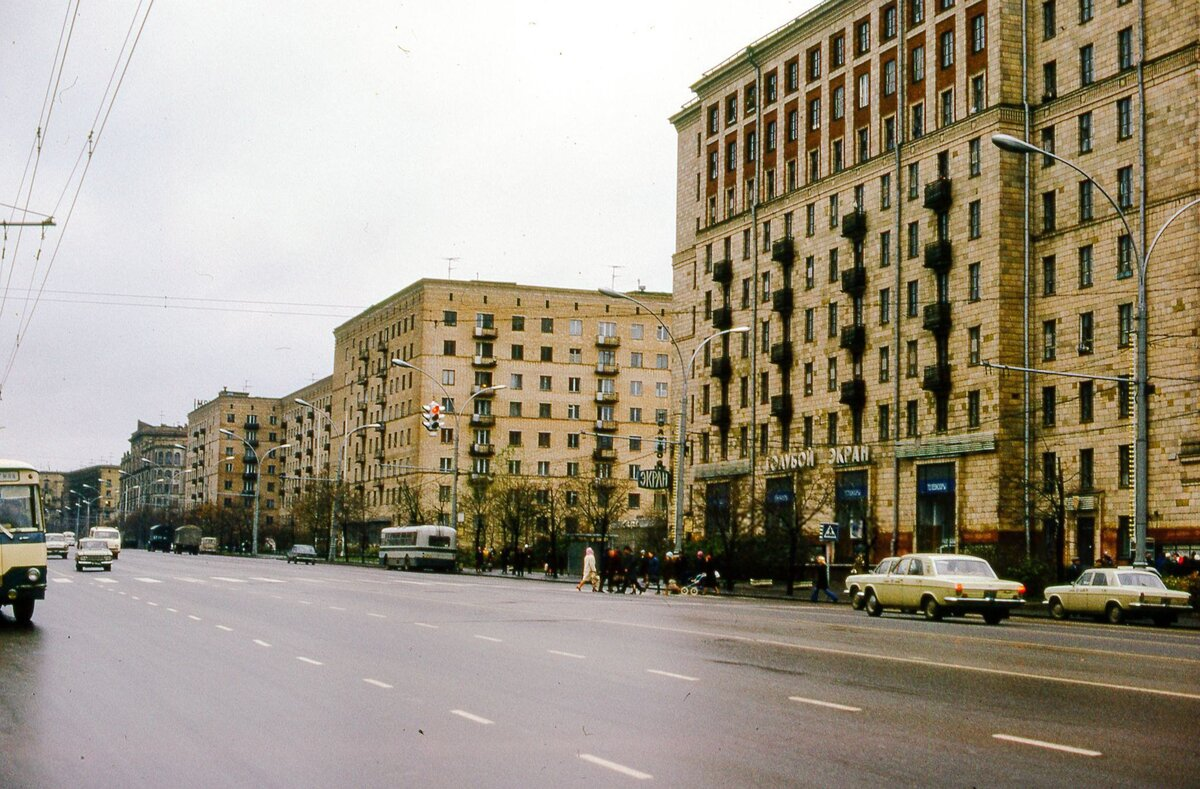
(838, 456)
(654, 479)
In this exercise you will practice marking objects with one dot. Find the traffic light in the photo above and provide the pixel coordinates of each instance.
(431, 416)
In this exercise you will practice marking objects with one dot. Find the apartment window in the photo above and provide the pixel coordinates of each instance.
(808, 379)
(837, 51)
(1048, 146)
(978, 93)
(862, 37)
(832, 427)
(910, 419)
(573, 411)
(1124, 256)
(731, 110)
(910, 359)
(714, 119)
(1085, 266)
(974, 153)
(1086, 332)
(864, 90)
(889, 78)
(946, 49)
(885, 306)
(751, 146)
(810, 270)
(1087, 469)
(1125, 118)
(914, 180)
(918, 120)
(810, 324)
(836, 160)
(543, 410)
(1049, 340)
(973, 281)
(975, 218)
(832, 309)
(914, 239)
(514, 408)
(831, 376)
(1085, 11)
(547, 353)
(978, 33)
(885, 364)
(771, 138)
(1125, 49)
(918, 11)
(1049, 24)
(448, 347)
(731, 156)
(1087, 395)
(814, 114)
(1086, 73)
(1085, 132)
(514, 439)
(517, 352)
(889, 23)
(918, 63)
(1124, 403)
(863, 137)
(547, 325)
(1049, 471)
(516, 381)
(1049, 275)
(838, 98)
(1124, 324)
(1049, 406)
(635, 388)
(973, 408)
(884, 421)
(1125, 187)
(449, 318)
(1085, 201)
(772, 87)
(1049, 80)
(660, 389)
(889, 134)
(814, 63)
(946, 106)
(885, 190)
(793, 76)
(544, 440)
(973, 346)
(1048, 212)
(1124, 466)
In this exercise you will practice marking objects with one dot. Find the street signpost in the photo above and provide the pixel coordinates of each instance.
(829, 532)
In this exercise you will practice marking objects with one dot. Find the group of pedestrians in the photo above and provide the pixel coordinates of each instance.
(623, 571)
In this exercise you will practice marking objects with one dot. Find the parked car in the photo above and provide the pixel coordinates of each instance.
(856, 581)
(937, 584)
(93, 552)
(56, 545)
(1117, 594)
(208, 545)
(302, 553)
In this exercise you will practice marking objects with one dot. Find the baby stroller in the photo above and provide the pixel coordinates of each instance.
(696, 584)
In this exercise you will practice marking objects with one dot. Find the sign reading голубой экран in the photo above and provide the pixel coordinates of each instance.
(838, 456)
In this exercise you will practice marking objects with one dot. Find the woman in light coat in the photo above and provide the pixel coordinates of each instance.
(590, 576)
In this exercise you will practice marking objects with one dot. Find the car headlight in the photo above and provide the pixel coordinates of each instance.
(33, 574)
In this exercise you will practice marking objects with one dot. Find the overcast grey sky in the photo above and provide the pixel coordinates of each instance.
(268, 169)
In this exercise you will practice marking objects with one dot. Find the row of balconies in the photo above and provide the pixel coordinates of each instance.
(602, 368)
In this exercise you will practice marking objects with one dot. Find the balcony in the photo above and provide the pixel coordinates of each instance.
(483, 391)
(604, 455)
(483, 361)
(249, 473)
(720, 415)
(939, 256)
(854, 225)
(381, 399)
(364, 354)
(784, 251)
(938, 195)
(781, 353)
(479, 478)
(483, 420)
(853, 338)
(606, 426)
(603, 368)
(250, 424)
(722, 367)
(608, 341)
(722, 318)
(379, 455)
(607, 397)
(937, 317)
(361, 405)
(936, 379)
(484, 332)
(781, 407)
(483, 450)
(854, 281)
(782, 301)
(853, 393)
(723, 271)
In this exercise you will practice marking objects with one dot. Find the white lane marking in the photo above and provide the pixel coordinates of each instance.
(261, 643)
(106, 581)
(62, 580)
(377, 683)
(267, 580)
(1050, 745)
(276, 597)
(121, 593)
(336, 608)
(173, 610)
(489, 638)
(671, 675)
(377, 583)
(620, 768)
(304, 602)
(194, 617)
(188, 579)
(412, 583)
(470, 717)
(829, 704)
(228, 580)
(377, 616)
(148, 580)
(226, 629)
(153, 604)
(135, 597)
(566, 654)
(309, 661)
(429, 626)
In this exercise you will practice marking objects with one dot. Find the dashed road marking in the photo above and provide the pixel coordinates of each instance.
(471, 717)
(173, 610)
(195, 618)
(309, 661)
(1053, 746)
(261, 643)
(377, 616)
(62, 580)
(226, 629)
(148, 580)
(377, 683)
(428, 626)
(672, 675)
(227, 579)
(267, 580)
(304, 602)
(620, 768)
(106, 581)
(153, 604)
(489, 638)
(336, 608)
(565, 654)
(829, 704)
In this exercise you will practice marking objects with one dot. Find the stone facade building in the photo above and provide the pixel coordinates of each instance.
(838, 192)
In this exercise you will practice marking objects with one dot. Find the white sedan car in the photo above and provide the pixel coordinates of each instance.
(1117, 594)
(936, 584)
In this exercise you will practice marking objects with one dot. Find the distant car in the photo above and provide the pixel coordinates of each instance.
(936, 584)
(1117, 594)
(208, 545)
(93, 552)
(56, 545)
(855, 581)
(69, 538)
(109, 535)
(302, 553)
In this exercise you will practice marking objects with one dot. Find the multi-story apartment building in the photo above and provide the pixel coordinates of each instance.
(305, 421)
(153, 471)
(54, 500)
(838, 192)
(545, 384)
(90, 497)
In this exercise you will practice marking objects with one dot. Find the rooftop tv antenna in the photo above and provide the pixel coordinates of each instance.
(449, 265)
(614, 268)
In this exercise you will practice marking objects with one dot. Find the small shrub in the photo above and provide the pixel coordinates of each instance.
(1186, 583)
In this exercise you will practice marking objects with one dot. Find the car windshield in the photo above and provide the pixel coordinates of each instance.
(105, 533)
(303, 549)
(93, 545)
(16, 509)
(1144, 580)
(976, 568)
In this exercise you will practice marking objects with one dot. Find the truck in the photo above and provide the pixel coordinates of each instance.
(160, 538)
(187, 540)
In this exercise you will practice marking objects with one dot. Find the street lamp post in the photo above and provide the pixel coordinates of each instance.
(1007, 142)
(684, 369)
(457, 424)
(257, 482)
(338, 484)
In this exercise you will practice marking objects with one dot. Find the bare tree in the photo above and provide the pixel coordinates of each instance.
(812, 490)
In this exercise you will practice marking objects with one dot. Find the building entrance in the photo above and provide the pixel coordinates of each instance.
(935, 530)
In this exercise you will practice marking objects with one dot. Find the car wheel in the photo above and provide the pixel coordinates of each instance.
(931, 609)
(856, 602)
(1115, 614)
(871, 604)
(78, 568)
(1057, 611)
(108, 568)
(993, 617)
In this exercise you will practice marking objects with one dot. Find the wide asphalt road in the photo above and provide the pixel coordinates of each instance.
(217, 671)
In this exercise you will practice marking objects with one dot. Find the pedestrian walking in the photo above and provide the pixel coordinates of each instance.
(590, 576)
(710, 574)
(821, 581)
(653, 572)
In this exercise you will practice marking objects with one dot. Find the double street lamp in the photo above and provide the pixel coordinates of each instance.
(257, 482)
(684, 373)
(1007, 142)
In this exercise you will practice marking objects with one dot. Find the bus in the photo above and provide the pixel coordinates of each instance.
(419, 547)
(22, 539)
